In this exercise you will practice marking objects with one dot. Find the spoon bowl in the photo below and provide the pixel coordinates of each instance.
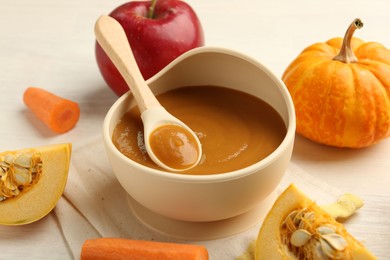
(156, 118)
(180, 152)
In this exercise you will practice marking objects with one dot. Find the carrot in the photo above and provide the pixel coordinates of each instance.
(58, 113)
(120, 248)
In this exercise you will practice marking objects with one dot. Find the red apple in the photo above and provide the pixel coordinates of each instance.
(157, 31)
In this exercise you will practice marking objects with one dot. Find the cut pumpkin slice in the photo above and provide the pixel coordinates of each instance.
(31, 182)
(297, 228)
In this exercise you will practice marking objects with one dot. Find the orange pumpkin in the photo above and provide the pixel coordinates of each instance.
(341, 99)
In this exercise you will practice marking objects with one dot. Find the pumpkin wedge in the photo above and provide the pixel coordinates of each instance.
(297, 228)
(31, 182)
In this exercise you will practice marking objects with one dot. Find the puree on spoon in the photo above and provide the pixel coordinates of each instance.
(174, 146)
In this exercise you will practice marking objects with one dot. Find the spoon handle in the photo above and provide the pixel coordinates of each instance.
(112, 38)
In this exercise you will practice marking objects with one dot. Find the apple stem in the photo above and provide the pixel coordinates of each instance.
(151, 9)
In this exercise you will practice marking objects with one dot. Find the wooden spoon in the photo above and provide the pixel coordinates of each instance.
(180, 149)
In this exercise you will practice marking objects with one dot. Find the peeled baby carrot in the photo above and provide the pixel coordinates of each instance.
(58, 113)
(120, 248)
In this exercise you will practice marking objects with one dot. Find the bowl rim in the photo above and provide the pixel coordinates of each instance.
(218, 177)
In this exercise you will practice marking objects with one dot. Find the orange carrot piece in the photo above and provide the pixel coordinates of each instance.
(120, 248)
(58, 113)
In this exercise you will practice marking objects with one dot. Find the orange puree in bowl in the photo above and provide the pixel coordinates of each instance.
(174, 146)
(235, 129)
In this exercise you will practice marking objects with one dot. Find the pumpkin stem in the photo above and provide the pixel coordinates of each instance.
(346, 54)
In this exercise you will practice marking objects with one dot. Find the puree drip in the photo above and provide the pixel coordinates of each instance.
(235, 129)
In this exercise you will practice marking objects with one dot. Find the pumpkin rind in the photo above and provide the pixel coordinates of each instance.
(341, 104)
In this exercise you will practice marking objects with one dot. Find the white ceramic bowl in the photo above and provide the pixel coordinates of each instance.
(206, 197)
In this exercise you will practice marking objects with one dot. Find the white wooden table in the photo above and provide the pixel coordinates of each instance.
(50, 44)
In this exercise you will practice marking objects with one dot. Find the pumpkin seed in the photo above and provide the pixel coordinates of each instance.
(319, 253)
(288, 221)
(9, 159)
(300, 237)
(335, 241)
(4, 165)
(22, 176)
(310, 215)
(298, 217)
(327, 249)
(8, 184)
(24, 160)
(306, 220)
(323, 230)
